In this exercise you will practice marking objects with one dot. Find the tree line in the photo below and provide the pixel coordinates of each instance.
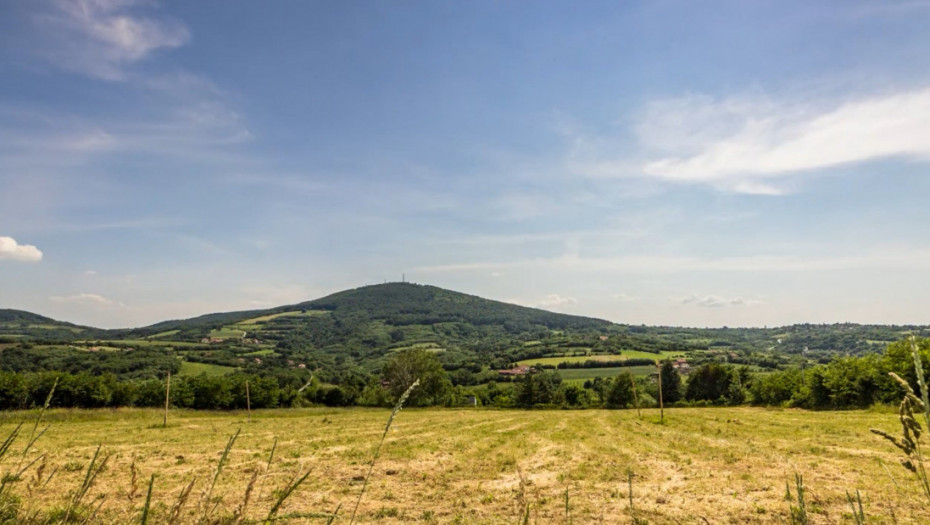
(843, 383)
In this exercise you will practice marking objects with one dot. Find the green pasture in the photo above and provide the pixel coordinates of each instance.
(195, 369)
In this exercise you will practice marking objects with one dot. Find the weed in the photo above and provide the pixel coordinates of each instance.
(148, 502)
(799, 514)
(397, 408)
(857, 513)
(909, 442)
(93, 470)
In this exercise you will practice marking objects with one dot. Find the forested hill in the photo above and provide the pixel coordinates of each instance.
(405, 303)
(18, 323)
(363, 326)
(399, 304)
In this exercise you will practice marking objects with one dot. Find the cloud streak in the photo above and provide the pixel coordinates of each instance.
(744, 145)
(100, 38)
(889, 259)
(86, 299)
(557, 301)
(12, 250)
(715, 301)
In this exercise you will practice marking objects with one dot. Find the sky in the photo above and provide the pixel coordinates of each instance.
(677, 163)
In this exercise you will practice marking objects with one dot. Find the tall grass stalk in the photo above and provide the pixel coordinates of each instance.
(568, 511)
(799, 513)
(208, 494)
(857, 513)
(243, 507)
(148, 502)
(175, 515)
(271, 455)
(93, 470)
(283, 495)
(8, 442)
(33, 437)
(371, 467)
(911, 430)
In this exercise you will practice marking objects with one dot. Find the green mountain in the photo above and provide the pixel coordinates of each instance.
(395, 304)
(18, 324)
(355, 331)
(365, 324)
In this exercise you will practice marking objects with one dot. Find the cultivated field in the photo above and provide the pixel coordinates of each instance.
(704, 465)
(623, 356)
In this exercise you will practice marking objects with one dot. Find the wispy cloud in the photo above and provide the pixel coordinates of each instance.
(715, 301)
(12, 250)
(624, 297)
(888, 258)
(557, 301)
(100, 38)
(747, 144)
(86, 299)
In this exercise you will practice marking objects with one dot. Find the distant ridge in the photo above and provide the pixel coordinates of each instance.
(407, 301)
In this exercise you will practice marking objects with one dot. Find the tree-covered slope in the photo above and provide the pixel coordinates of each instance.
(358, 329)
(26, 325)
(400, 304)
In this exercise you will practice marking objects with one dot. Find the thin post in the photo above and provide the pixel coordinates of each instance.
(635, 397)
(248, 402)
(167, 397)
(661, 405)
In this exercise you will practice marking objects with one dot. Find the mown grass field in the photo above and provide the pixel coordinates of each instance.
(189, 368)
(577, 376)
(626, 354)
(708, 465)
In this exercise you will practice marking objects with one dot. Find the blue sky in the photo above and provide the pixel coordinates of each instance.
(682, 163)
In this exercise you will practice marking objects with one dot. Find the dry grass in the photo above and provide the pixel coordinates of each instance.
(725, 465)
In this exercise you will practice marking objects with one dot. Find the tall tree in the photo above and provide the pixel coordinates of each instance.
(408, 366)
(620, 394)
(671, 383)
(709, 382)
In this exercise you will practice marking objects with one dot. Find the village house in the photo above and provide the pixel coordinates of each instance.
(518, 371)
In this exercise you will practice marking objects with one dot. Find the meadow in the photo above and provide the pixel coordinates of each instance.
(623, 356)
(703, 465)
(578, 376)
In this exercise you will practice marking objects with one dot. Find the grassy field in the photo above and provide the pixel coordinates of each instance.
(710, 465)
(227, 333)
(577, 376)
(189, 368)
(259, 324)
(626, 354)
(169, 333)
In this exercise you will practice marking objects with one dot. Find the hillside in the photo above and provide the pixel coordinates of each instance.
(351, 333)
(21, 324)
(365, 324)
(397, 304)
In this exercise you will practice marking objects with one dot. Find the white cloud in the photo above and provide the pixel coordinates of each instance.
(626, 298)
(556, 301)
(882, 257)
(86, 299)
(12, 250)
(100, 38)
(715, 301)
(745, 144)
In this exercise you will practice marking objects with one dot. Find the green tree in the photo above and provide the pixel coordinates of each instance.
(527, 391)
(709, 382)
(410, 365)
(620, 394)
(671, 383)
